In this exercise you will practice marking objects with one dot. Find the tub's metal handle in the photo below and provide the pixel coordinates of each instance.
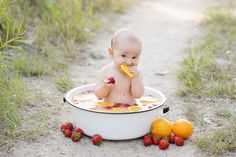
(166, 109)
(64, 99)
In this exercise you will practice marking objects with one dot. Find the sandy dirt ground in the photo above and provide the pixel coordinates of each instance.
(167, 28)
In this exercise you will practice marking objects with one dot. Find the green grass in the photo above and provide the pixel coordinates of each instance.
(14, 96)
(13, 92)
(63, 83)
(227, 112)
(51, 23)
(193, 113)
(38, 38)
(110, 5)
(34, 66)
(201, 74)
(218, 141)
(12, 32)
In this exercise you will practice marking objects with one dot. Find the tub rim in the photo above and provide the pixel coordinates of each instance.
(165, 109)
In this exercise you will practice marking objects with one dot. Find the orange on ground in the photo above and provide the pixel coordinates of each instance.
(182, 128)
(161, 127)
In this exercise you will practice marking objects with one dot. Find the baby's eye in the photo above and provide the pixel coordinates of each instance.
(134, 57)
(123, 56)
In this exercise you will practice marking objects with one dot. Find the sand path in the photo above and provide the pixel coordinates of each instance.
(166, 28)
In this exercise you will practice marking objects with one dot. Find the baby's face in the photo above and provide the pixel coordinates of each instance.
(127, 53)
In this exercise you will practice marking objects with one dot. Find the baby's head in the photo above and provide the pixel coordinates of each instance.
(125, 47)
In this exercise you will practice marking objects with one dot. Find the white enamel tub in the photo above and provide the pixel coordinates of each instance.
(115, 125)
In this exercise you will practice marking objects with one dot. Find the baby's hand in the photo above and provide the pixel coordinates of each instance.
(134, 70)
(109, 83)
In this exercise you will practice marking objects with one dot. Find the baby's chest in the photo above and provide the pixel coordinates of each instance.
(122, 83)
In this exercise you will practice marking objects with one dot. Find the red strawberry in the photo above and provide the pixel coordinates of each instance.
(77, 135)
(172, 139)
(68, 133)
(78, 130)
(97, 139)
(156, 139)
(117, 105)
(126, 105)
(111, 80)
(147, 139)
(179, 141)
(108, 107)
(163, 144)
(65, 126)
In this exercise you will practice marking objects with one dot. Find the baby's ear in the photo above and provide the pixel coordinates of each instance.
(110, 51)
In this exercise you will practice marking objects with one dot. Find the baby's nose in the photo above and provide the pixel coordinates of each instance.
(129, 62)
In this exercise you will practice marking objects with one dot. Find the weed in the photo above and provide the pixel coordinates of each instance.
(13, 92)
(14, 96)
(201, 73)
(217, 141)
(12, 33)
(227, 112)
(193, 113)
(63, 84)
(29, 67)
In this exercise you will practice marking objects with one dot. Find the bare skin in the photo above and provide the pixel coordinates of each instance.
(126, 51)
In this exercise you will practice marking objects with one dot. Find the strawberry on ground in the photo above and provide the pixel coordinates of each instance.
(77, 134)
(97, 139)
(164, 144)
(66, 126)
(179, 141)
(156, 139)
(147, 139)
(68, 133)
(172, 138)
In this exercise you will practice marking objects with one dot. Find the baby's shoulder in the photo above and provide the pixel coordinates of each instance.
(106, 68)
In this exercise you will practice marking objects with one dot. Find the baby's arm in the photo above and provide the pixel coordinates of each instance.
(103, 88)
(137, 87)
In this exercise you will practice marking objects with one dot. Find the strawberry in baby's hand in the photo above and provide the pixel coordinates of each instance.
(110, 80)
(97, 139)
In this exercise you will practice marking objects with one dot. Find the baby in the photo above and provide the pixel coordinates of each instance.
(125, 50)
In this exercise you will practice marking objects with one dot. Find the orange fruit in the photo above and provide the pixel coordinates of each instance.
(148, 99)
(92, 108)
(119, 109)
(104, 103)
(134, 108)
(125, 69)
(183, 128)
(161, 127)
